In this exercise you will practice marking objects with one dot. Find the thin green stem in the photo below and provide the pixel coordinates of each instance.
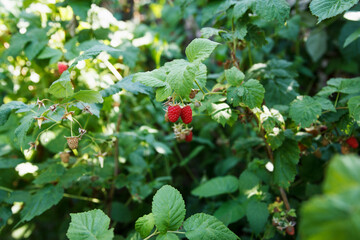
(45, 131)
(6, 189)
(213, 93)
(151, 235)
(337, 99)
(177, 232)
(94, 200)
(199, 87)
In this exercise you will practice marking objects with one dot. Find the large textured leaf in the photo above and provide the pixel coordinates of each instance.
(200, 49)
(168, 208)
(257, 215)
(273, 10)
(181, 79)
(241, 7)
(145, 224)
(155, 78)
(304, 111)
(346, 85)
(167, 236)
(234, 76)
(38, 40)
(248, 182)
(91, 225)
(202, 226)
(286, 158)
(88, 96)
(62, 88)
(6, 109)
(23, 128)
(324, 9)
(252, 94)
(217, 186)
(335, 215)
(221, 112)
(354, 107)
(41, 201)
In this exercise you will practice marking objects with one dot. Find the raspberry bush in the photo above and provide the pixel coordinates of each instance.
(179, 119)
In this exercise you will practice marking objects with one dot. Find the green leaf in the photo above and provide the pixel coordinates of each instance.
(163, 93)
(168, 208)
(273, 10)
(217, 186)
(208, 32)
(251, 93)
(88, 96)
(5, 214)
(127, 84)
(326, 104)
(41, 201)
(167, 236)
(200, 49)
(72, 175)
(241, 7)
(202, 226)
(6, 109)
(230, 212)
(286, 158)
(257, 215)
(72, 51)
(248, 183)
(23, 128)
(352, 37)
(316, 44)
(50, 174)
(62, 88)
(346, 85)
(54, 54)
(10, 162)
(38, 40)
(275, 139)
(335, 214)
(342, 174)
(145, 224)
(324, 9)
(155, 78)
(91, 225)
(221, 112)
(234, 76)
(181, 79)
(354, 107)
(304, 110)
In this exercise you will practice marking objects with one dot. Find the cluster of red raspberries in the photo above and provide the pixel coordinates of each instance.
(173, 113)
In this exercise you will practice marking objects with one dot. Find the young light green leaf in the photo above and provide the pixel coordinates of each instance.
(354, 107)
(168, 208)
(62, 88)
(234, 76)
(286, 158)
(217, 186)
(88, 96)
(200, 49)
(145, 224)
(324, 9)
(273, 10)
(230, 212)
(163, 93)
(316, 45)
(257, 215)
(352, 37)
(91, 225)
(202, 226)
(304, 110)
(41, 201)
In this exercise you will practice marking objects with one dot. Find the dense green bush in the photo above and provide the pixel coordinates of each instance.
(89, 149)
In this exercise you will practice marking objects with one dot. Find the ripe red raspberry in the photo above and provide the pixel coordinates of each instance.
(189, 136)
(173, 113)
(186, 114)
(62, 67)
(352, 142)
(290, 230)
